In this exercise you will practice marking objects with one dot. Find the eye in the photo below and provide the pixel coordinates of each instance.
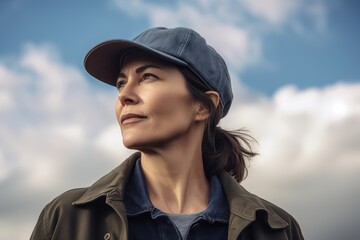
(120, 84)
(149, 76)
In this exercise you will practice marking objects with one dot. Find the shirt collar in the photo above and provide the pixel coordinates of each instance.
(138, 202)
(136, 196)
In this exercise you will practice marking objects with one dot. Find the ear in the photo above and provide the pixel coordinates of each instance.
(215, 98)
(202, 112)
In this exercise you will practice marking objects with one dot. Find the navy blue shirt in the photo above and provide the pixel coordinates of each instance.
(147, 222)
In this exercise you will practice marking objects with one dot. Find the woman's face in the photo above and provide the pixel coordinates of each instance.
(154, 106)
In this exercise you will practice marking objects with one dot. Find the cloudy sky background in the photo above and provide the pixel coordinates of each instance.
(296, 79)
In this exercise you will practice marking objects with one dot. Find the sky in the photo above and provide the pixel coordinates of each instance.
(295, 72)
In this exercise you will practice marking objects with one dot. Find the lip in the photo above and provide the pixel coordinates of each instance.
(131, 117)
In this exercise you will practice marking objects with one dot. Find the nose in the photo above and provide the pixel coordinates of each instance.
(127, 95)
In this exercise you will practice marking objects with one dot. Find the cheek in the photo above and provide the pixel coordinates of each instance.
(173, 106)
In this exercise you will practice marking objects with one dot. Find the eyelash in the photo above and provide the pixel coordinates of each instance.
(146, 75)
(120, 84)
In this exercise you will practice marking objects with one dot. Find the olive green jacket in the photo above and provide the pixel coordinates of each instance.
(98, 212)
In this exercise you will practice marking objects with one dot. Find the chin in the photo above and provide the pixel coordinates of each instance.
(130, 145)
(141, 145)
(133, 144)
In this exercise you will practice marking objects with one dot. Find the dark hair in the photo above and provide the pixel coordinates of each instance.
(221, 149)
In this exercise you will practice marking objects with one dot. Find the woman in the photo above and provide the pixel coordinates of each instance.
(183, 182)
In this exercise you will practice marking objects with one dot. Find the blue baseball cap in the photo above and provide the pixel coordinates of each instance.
(181, 46)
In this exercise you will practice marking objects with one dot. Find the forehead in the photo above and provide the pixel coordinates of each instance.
(135, 57)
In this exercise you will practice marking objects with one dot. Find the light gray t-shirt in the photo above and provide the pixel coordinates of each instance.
(183, 221)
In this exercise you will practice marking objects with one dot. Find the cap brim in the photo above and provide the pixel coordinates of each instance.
(103, 60)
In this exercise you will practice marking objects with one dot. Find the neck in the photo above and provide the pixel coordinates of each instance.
(175, 177)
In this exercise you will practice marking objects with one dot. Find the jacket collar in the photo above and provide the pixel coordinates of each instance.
(242, 204)
(112, 185)
(245, 205)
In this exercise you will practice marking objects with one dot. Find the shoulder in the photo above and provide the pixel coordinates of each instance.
(53, 212)
(274, 212)
(60, 205)
(66, 199)
(273, 208)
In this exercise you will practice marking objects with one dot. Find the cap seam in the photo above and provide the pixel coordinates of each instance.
(187, 37)
(141, 36)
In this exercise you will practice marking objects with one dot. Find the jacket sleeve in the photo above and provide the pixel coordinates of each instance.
(294, 230)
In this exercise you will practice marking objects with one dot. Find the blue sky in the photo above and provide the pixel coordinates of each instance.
(296, 79)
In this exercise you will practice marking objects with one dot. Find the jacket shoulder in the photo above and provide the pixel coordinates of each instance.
(67, 198)
(293, 228)
(63, 201)
(271, 207)
(257, 210)
(276, 216)
(53, 211)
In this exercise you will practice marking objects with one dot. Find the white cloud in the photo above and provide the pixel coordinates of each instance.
(110, 141)
(307, 121)
(274, 11)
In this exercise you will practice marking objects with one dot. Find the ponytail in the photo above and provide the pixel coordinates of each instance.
(221, 149)
(229, 152)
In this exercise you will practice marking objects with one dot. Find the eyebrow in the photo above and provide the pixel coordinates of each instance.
(140, 69)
